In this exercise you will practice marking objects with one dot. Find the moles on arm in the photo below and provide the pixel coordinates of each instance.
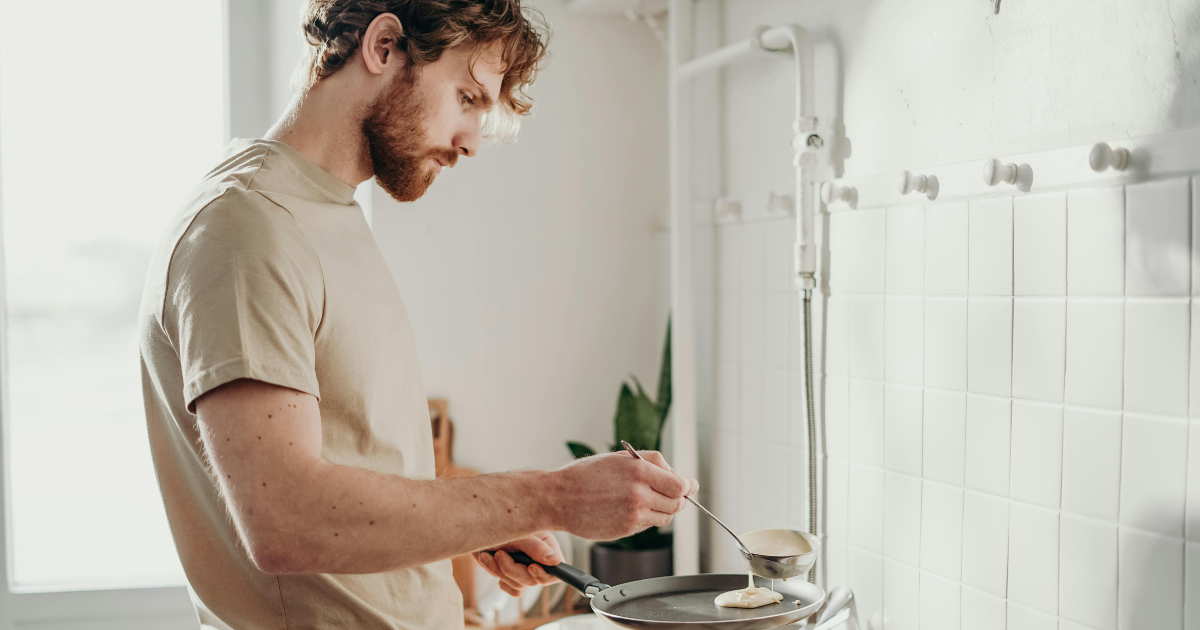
(298, 513)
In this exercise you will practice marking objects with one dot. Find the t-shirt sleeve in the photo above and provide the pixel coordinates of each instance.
(244, 298)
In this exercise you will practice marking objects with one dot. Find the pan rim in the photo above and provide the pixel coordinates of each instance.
(784, 618)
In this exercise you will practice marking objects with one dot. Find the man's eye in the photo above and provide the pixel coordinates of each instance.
(465, 98)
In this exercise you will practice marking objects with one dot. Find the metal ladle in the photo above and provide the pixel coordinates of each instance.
(764, 566)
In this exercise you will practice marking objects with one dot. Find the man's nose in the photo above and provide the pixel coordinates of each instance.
(466, 142)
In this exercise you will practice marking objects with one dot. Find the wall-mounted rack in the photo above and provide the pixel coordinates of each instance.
(1115, 162)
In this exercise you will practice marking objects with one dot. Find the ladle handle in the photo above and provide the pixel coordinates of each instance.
(742, 545)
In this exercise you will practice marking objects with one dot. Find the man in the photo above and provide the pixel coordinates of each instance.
(285, 408)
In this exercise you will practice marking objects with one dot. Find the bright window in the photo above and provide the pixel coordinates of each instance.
(109, 113)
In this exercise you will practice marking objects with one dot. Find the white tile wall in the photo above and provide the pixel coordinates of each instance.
(1006, 392)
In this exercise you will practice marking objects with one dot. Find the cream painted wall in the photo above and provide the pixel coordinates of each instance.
(535, 273)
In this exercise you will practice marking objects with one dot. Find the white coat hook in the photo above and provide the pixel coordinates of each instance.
(727, 208)
(780, 203)
(907, 183)
(831, 192)
(994, 172)
(1104, 156)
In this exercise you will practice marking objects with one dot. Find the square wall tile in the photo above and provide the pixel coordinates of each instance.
(1156, 356)
(1040, 244)
(946, 241)
(1091, 475)
(990, 251)
(774, 466)
(1158, 238)
(798, 409)
(839, 252)
(1095, 352)
(981, 611)
(940, 603)
(902, 518)
(729, 331)
(795, 321)
(944, 436)
(728, 259)
(778, 268)
(837, 336)
(1154, 473)
(1096, 241)
(837, 417)
(905, 250)
(1033, 557)
(1087, 584)
(946, 343)
(1193, 482)
(866, 336)
(866, 574)
(901, 596)
(751, 388)
(727, 452)
(750, 247)
(1194, 398)
(866, 507)
(985, 543)
(904, 339)
(867, 251)
(752, 461)
(775, 406)
(775, 330)
(902, 420)
(1039, 348)
(797, 508)
(836, 571)
(1150, 581)
(1037, 448)
(837, 511)
(941, 529)
(1191, 584)
(989, 427)
(1023, 618)
(751, 321)
(866, 422)
(989, 346)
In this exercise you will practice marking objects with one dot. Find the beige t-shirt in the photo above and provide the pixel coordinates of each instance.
(271, 273)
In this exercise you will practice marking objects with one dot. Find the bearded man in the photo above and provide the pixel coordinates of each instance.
(285, 409)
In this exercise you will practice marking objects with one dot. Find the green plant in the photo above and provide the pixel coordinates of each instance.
(639, 420)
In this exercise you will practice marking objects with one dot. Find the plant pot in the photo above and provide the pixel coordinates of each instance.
(613, 565)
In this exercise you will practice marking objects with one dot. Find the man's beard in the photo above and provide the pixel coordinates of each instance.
(395, 139)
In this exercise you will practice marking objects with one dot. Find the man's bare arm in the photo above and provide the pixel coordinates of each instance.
(298, 513)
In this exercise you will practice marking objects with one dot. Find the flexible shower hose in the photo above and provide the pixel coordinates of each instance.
(812, 425)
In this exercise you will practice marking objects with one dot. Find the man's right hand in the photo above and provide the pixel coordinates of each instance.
(613, 495)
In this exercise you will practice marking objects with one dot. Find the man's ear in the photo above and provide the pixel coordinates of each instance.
(381, 44)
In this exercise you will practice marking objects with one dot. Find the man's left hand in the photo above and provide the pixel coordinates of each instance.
(514, 577)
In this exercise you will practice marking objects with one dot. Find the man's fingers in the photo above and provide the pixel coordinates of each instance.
(656, 458)
(669, 484)
(516, 572)
(540, 550)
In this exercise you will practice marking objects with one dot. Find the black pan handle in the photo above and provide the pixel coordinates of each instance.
(581, 581)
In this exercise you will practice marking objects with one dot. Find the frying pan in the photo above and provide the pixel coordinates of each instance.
(685, 602)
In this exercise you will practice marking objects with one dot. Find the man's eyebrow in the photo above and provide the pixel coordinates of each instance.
(485, 100)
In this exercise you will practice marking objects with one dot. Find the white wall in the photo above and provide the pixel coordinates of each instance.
(916, 84)
(535, 273)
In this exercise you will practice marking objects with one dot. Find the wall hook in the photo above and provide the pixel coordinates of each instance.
(1103, 157)
(727, 207)
(906, 183)
(994, 172)
(780, 202)
(831, 192)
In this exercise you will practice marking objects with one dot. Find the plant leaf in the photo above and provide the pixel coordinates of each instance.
(637, 420)
(578, 449)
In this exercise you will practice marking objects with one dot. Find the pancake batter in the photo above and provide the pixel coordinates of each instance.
(749, 597)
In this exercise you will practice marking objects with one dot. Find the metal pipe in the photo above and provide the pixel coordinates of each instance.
(715, 59)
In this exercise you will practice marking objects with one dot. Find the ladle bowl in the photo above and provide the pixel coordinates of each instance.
(779, 567)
